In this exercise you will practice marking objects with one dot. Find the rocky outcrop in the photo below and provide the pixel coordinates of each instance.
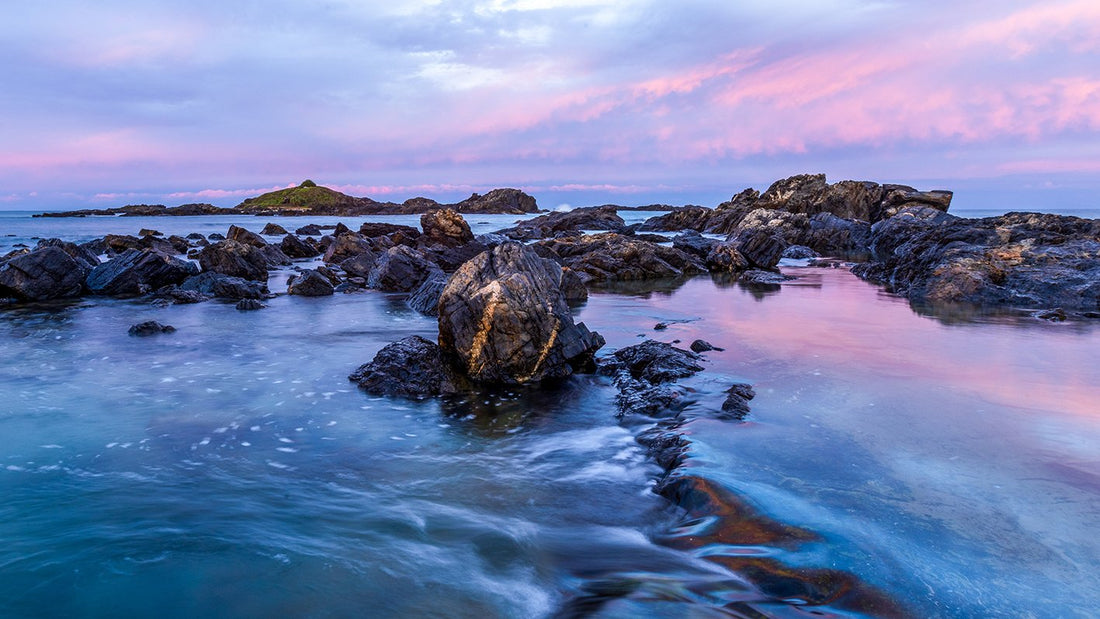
(761, 248)
(444, 228)
(309, 230)
(310, 283)
(1025, 260)
(374, 229)
(48, 272)
(410, 367)
(137, 272)
(503, 319)
(558, 223)
(692, 242)
(400, 269)
(504, 201)
(235, 259)
(611, 256)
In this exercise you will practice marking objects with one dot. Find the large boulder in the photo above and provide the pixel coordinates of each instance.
(310, 283)
(504, 319)
(444, 228)
(138, 272)
(760, 248)
(410, 367)
(344, 246)
(45, 273)
(374, 229)
(235, 259)
(214, 284)
(400, 269)
(241, 235)
(295, 247)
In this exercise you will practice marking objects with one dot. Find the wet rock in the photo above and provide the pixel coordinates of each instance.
(557, 223)
(45, 273)
(799, 252)
(175, 294)
(425, 299)
(215, 236)
(374, 229)
(503, 319)
(241, 235)
(248, 305)
(1053, 315)
(572, 286)
(214, 284)
(450, 258)
(505, 200)
(310, 283)
(347, 245)
(897, 198)
(667, 446)
(736, 405)
(409, 367)
(400, 269)
(195, 236)
(703, 346)
(272, 229)
(655, 362)
(340, 229)
(832, 235)
(694, 243)
(179, 244)
(611, 256)
(725, 258)
(761, 248)
(138, 272)
(309, 230)
(150, 327)
(295, 247)
(444, 228)
(758, 277)
(115, 244)
(148, 232)
(695, 218)
(235, 259)
(791, 228)
(641, 398)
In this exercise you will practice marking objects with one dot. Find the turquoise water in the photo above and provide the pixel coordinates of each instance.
(230, 469)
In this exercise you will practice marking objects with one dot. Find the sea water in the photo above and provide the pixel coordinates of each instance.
(950, 462)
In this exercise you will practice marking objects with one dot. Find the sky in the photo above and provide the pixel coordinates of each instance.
(575, 101)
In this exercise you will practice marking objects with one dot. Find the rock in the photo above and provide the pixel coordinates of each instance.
(48, 272)
(309, 230)
(897, 198)
(248, 305)
(175, 294)
(310, 283)
(791, 228)
(400, 269)
(572, 286)
(832, 235)
(655, 362)
(214, 284)
(725, 258)
(641, 398)
(373, 229)
(760, 248)
(346, 245)
(148, 232)
(744, 201)
(504, 319)
(214, 236)
(360, 265)
(703, 346)
(736, 405)
(758, 277)
(450, 258)
(295, 247)
(235, 259)
(247, 237)
(425, 299)
(505, 200)
(799, 252)
(694, 218)
(195, 236)
(273, 230)
(611, 256)
(409, 367)
(138, 272)
(554, 224)
(694, 243)
(150, 327)
(444, 228)
(1053, 315)
(179, 243)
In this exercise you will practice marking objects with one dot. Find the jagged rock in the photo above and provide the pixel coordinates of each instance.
(505, 200)
(150, 327)
(504, 319)
(138, 272)
(346, 245)
(759, 277)
(760, 248)
(425, 299)
(309, 230)
(746, 201)
(829, 234)
(215, 236)
(241, 235)
(360, 265)
(572, 286)
(175, 294)
(310, 283)
(800, 252)
(148, 232)
(48, 272)
(684, 218)
(179, 244)
(409, 367)
(655, 362)
(444, 228)
(248, 305)
(703, 346)
(611, 256)
(554, 224)
(638, 397)
(272, 229)
(214, 284)
(195, 236)
(736, 405)
(295, 247)
(116, 244)
(1053, 315)
(235, 259)
(694, 243)
(725, 258)
(897, 198)
(373, 229)
(400, 269)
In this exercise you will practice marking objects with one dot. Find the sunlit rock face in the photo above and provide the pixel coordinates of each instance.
(504, 319)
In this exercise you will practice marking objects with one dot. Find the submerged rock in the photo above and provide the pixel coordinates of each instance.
(736, 405)
(655, 362)
(410, 367)
(247, 305)
(703, 346)
(214, 284)
(150, 327)
(503, 319)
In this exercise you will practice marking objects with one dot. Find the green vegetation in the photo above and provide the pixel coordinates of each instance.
(308, 195)
(307, 183)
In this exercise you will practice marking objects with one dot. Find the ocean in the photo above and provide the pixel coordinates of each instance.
(947, 461)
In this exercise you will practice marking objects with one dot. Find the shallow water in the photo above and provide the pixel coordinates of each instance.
(230, 469)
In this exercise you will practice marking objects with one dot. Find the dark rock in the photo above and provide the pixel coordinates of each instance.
(611, 256)
(248, 305)
(760, 248)
(214, 284)
(641, 398)
(450, 258)
(684, 218)
(800, 252)
(655, 362)
(897, 198)
(195, 236)
(346, 245)
(504, 319)
(829, 234)
(150, 327)
(758, 277)
(309, 230)
(444, 228)
(360, 265)
(703, 346)
(48, 272)
(425, 299)
(235, 259)
(373, 229)
(295, 247)
(694, 243)
(725, 258)
(409, 367)
(554, 224)
(273, 230)
(175, 294)
(661, 326)
(506, 200)
(148, 232)
(736, 405)
(340, 229)
(77, 252)
(744, 201)
(1053, 315)
(572, 286)
(138, 272)
(400, 269)
(247, 237)
(310, 283)
(215, 236)
(667, 447)
(179, 244)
